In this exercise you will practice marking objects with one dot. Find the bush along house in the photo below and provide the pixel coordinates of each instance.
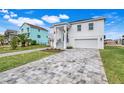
(39, 34)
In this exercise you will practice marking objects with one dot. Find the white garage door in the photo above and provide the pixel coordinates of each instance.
(86, 43)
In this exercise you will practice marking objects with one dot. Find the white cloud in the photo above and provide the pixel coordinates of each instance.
(114, 34)
(54, 19)
(21, 20)
(12, 14)
(112, 15)
(51, 19)
(108, 15)
(63, 16)
(95, 16)
(6, 16)
(110, 23)
(2, 33)
(4, 11)
(112, 18)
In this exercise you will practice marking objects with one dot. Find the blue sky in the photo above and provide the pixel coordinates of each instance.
(13, 18)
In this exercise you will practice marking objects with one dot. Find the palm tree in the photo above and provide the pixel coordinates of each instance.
(23, 38)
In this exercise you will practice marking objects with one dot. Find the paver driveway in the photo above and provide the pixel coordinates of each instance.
(75, 66)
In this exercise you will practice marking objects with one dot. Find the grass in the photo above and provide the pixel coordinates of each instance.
(10, 62)
(7, 49)
(113, 60)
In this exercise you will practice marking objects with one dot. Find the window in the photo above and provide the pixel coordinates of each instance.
(28, 34)
(22, 29)
(38, 36)
(38, 30)
(28, 29)
(78, 27)
(90, 26)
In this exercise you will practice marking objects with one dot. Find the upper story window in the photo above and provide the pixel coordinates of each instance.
(38, 36)
(28, 29)
(91, 26)
(38, 30)
(78, 27)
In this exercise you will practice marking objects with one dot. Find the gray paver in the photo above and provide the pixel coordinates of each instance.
(73, 66)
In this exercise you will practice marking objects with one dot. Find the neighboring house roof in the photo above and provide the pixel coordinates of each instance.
(108, 40)
(8, 32)
(34, 26)
(80, 21)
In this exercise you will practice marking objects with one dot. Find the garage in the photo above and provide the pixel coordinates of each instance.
(86, 43)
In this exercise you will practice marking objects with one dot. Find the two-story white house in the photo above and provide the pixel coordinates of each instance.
(79, 34)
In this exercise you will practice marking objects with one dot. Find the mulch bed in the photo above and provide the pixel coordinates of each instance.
(52, 50)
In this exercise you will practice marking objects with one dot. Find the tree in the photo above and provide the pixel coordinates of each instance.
(2, 37)
(14, 42)
(23, 38)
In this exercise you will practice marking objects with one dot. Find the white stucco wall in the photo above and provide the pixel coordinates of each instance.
(85, 33)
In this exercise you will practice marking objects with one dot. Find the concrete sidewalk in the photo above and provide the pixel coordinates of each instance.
(21, 52)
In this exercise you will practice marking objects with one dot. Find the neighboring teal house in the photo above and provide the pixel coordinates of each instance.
(35, 33)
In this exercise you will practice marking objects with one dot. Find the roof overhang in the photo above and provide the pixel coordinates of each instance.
(79, 21)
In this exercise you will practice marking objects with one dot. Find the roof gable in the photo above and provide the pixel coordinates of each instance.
(34, 26)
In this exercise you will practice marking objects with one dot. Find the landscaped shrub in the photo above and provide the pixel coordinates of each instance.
(28, 42)
(69, 47)
(23, 38)
(33, 42)
(14, 43)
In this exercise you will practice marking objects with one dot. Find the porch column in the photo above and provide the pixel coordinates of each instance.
(65, 36)
(54, 43)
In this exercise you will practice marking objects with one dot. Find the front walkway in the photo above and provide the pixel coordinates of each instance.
(74, 66)
(20, 52)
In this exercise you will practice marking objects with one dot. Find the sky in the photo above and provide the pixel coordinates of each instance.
(14, 18)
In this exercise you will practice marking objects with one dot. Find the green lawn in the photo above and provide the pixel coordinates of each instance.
(7, 49)
(21, 59)
(113, 60)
